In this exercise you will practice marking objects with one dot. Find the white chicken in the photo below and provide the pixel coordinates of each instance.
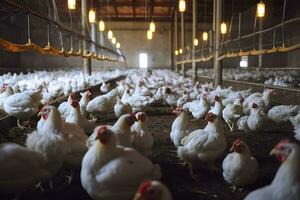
(138, 103)
(257, 120)
(239, 167)
(75, 117)
(20, 168)
(170, 97)
(121, 108)
(84, 100)
(6, 92)
(282, 113)
(121, 129)
(204, 146)
(141, 139)
(218, 107)
(232, 112)
(179, 126)
(183, 100)
(65, 107)
(114, 172)
(104, 103)
(152, 190)
(23, 105)
(262, 100)
(198, 108)
(286, 183)
(105, 87)
(296, 123)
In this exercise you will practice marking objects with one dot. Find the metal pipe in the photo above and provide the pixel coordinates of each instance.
(86, 61)
(194, 65)
(182, 42)
(48, 34)
(172, 44)
(28, 28)
(217, 23)
(260, 43)
(176, 39)
(93, 37)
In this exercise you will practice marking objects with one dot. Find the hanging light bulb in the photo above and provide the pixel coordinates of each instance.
(101, 26)
(72, 4)
(118, 45)
(114, 40)
(205, 36)
(92, 16)
(176, 52)
(152, 27)
(110, 34)
(180, 51)
(260, 9)
(182, 6)
(223, 28)
(149, 35)
(196, 42)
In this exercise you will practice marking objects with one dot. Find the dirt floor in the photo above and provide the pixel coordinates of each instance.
(208, 185)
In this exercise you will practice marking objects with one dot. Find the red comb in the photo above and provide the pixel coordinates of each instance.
(102, 130)
(283, 141)
(144, 186)
(236, 142)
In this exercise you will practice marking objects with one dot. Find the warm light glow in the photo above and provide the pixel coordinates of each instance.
(223, 28)
(261, 9)
(143, 60)
(152, 27)
(118, 45)
(114, 40)
(196, 42)
(72, 4)
(182, 6)
(180, 51)
(101, 25)
(176, 52)
(110, 34)
(149, 35)
(205, 36)
(92, 16)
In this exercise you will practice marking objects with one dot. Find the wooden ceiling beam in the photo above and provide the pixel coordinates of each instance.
(133, 8)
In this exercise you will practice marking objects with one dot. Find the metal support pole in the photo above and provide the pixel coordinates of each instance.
(172, 44)
(182, 42)
(176, 40)
(93, 37)
(217, 23)
(260, 43)
(194, 65)
(86, 61)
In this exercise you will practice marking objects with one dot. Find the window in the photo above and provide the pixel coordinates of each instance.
(244, 61)
(143, 61)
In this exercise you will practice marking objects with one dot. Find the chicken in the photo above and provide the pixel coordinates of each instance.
(282, 113)
(103, 167)
(218, 107)
(105, 87)
(239, 167)
(141, 139)
(196, 93)
(258, 120)
(263, 100)
(104, 103)
(296, 123)
(150, 190)
(170, 97)
(138, 103)
(183, 100)
(75, 117)
(286, 183)
(48, 139)
(65, 107)
(121, 129)
(204, 146)
(179, 126)
(232, 112)
(6, 92)
(85, 99)
(158, 96)
(23, 105)
(20, 168)
(242, 123)
(198, 108)
(121, 108)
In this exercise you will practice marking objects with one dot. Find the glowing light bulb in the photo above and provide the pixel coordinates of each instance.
(149, 35)
(223, 28)
(114, 40)
(182, 6)
(196, 42)
(92, 16)
(110, 34)
(180, 51)
(118, 45)
(72, 4)
(176, 52)
(101, 25)
(205, 36)
(260, 9)
(152, 27)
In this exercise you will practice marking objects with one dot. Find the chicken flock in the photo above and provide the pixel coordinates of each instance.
(114, 160)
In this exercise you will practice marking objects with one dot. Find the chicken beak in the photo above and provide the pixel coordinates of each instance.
(273, 152)
(232, 149)
(40, 114)
(137, 196)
